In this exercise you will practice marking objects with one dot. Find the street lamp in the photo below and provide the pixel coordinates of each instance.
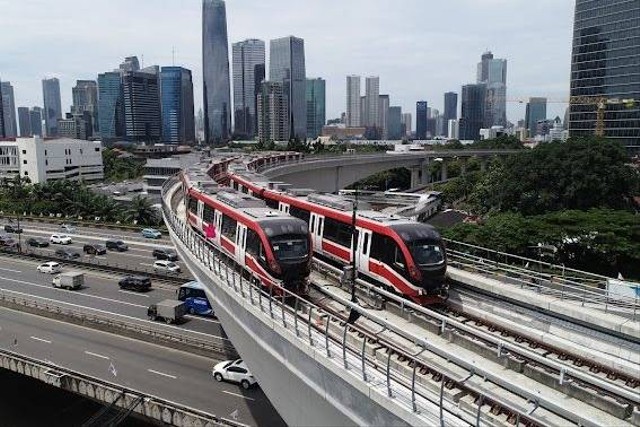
(353, 314)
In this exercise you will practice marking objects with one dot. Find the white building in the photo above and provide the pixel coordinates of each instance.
(492, 133)
(453, 129)
(42, 160)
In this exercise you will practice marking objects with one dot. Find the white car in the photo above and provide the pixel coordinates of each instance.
(50, 267)
(166, 266)
(61, 239)
(67, 228)
(234, 371)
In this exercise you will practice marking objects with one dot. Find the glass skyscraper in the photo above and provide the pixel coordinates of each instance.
(110, 106)
(52, 105)
(9, 110)
(605, 63)
(493, 74)
(287, 66)
(536, 111)
(85, 102)
(141, 91)
(215, 60)
(178, 122)
(24, 120)
(450, 106)
(421, 120)
(36, 120)
(248, 73)
(316, 109)
(472, 117)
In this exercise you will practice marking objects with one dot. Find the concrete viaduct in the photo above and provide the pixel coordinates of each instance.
(331, 174)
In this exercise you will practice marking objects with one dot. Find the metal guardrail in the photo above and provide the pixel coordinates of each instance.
(54, 220)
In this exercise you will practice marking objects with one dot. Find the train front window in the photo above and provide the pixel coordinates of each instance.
(424, 252)
(287, 248)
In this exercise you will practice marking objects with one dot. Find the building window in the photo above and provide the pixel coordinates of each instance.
(45, 152)
(24, 151)
(26, 173)
(46, 162)
(97, 149)
(81, 151)
(24, 162)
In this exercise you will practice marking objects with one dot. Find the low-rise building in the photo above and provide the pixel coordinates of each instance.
(56, 159)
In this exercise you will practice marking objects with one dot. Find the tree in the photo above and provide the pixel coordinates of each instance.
(142, 212)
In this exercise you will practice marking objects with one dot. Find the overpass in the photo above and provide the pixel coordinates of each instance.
(331, 174)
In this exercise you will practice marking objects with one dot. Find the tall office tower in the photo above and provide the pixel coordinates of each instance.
(110, 106)
(176, 91)
(472, 117)
(316, 107)
(407, 124)
(604, 63)
(395, 123)
(421, 120)
(248, 63)
(9, 110)
(383, 116)
(85, 102)
(493, 74)
(141, 94)
(36, 115)
(363, 112)
(536, 111)
(215, 60)
(450, 106)
(353, 118)
(372, 102)
(287, 66)
(453, 130)
(130, 63)
(52, 105)
(1, 116)
(24, 120)
(273, 114)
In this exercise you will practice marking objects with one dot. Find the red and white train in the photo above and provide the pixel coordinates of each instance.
(401, 255)
(272, 246)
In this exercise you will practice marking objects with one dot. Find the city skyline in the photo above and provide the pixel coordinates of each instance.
(409, 75)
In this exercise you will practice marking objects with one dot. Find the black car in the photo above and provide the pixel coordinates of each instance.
(116, 245)
(8, 241)
(93, 249)
(13, 229)
(67, 253)
(135, 283)
(37, 242)
(167, 254)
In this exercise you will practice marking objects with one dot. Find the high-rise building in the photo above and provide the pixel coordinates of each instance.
(287, 66)
(421, 120)
(273, 114)
(75, 126)
(492, 73)
(453, 130)
(407, 124)
(130, 63)
(605, 62)
(353, 118)
(450, 106)
(9, 110)
(141, 95)
(248, 63)
(472, 115)
(372, 102)
(316, 107)
(110, 106)
(1, 117)
(394, 123)
(215, 60)
(24, 120)
(176, 91)
(536, 111)
(36, 114)
(383, 116)
(85, 100)
(52, 105)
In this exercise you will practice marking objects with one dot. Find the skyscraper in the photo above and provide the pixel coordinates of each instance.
(9, 110)
(493, 74)
(273, 115)
(536, 111)
(316, 107)
(36, 114)
(421, 120)
(605, 63)
(383, 116)
(1, 117)
(141, 91)
(407, 124)
(130, 63)
(215, 60)
(395, 123)
(450, 106)
(287, 66)
(85, 101)
(52, 105)
(372, 102)
(353, 101)
(248, 64)
(24, 120)
(110, 106)
(472, 117)
(178, 120)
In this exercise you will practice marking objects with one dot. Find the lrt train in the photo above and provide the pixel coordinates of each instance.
(400, 255)
(273, 247)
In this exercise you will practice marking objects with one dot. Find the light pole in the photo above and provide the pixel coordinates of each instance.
(353, 314)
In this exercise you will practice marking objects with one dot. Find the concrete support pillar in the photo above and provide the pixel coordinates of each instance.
(463, 166)
(415, 177)
(444, 171)
(336, 186)
(425, 176)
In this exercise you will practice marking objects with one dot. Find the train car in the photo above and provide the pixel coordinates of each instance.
(399, 254)
(272, 246)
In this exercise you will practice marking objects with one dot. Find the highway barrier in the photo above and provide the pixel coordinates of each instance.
(80, 223)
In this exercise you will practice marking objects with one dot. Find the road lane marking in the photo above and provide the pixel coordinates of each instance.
(90, 353)
(238, 395)
(40, 339)
(10, 270)
(162, 373)
(204, 319)
(138, 294)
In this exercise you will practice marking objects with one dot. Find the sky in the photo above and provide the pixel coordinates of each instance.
(420, 49)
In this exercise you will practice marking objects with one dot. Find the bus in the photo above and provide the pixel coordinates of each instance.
(194, 297)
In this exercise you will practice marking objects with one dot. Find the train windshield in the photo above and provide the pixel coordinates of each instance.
(290, 247)
(425, 252)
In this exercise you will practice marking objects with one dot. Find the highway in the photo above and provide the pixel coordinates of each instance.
(170, 374)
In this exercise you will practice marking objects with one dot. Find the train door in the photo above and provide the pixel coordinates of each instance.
(284, 207)
(316, 228)
(241, 243)
(217, 220)
(200, 211)
(363, 249)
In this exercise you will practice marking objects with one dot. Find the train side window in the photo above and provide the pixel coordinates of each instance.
(229, 227)
(193, 205)
(337, 232)
(365, 246)
(253, 243)
(299, 213)
(207, 214)
(273, 204)
(313, 223)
